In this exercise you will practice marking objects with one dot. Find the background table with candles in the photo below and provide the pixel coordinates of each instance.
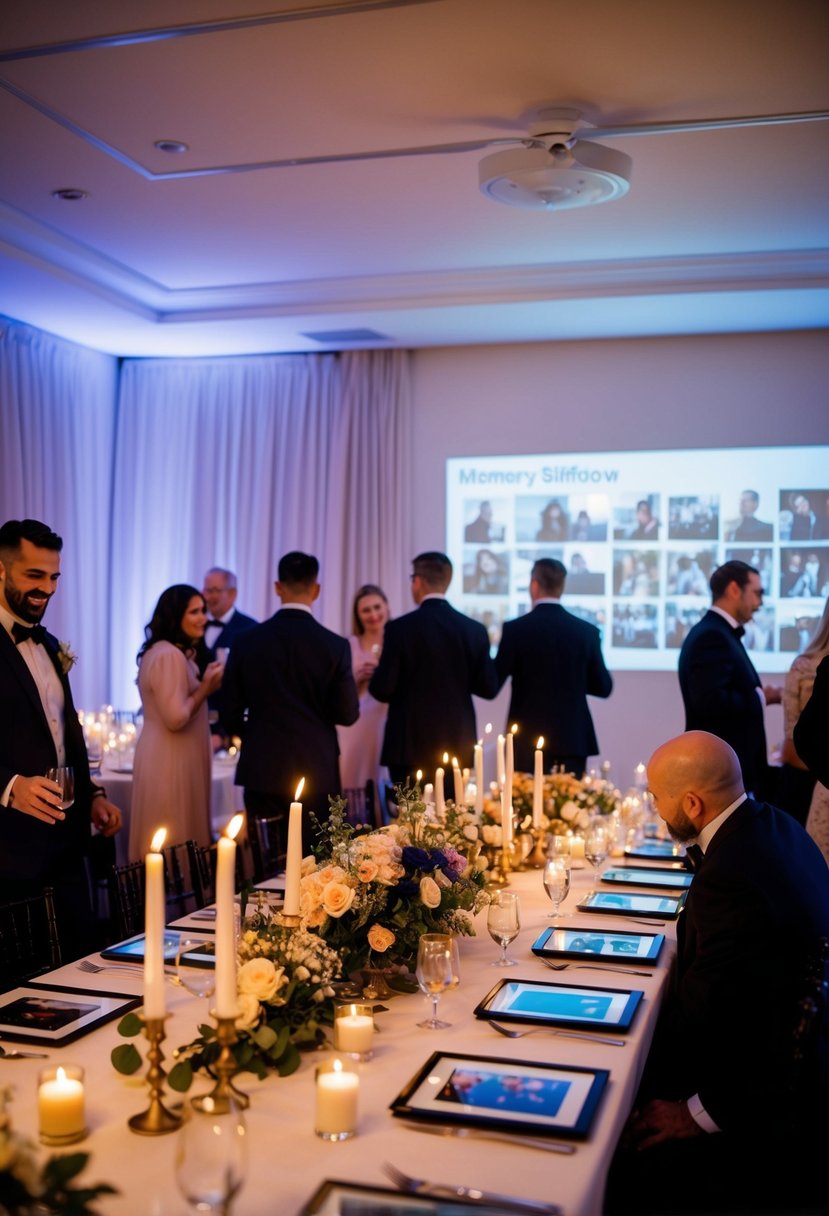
(287, 1160)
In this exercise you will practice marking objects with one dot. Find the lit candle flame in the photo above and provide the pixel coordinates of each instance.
(419, 776)
(514, 728)
(455, 762)
(488, 728)
(337, 1066)
(61, 1075)
(445, 757)
(540, 742)
(299, 789)
(234, 827)
(157, 842)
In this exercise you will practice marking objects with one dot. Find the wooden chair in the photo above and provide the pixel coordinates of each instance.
(126, 900)
(202, 860)
(178, 881)
(267, 846)
(28, 938)
(361, 805)
(389, 809)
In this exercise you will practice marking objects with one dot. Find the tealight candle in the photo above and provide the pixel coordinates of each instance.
(337, 1089)
(354, 1030)
(60, 1104)
(577, 852)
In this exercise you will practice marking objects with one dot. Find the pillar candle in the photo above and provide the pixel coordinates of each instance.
(60, 1105)
(479, 777)
(428, 793)
(538, 784)
(353, 1031)
(154, 996)
(336, 1105)
(500, 760)
(226, 996)
(293, 860)
(440, 806)
(458, 779)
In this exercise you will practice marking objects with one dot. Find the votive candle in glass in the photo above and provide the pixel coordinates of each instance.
(354, 1030)
(337, 1089)
(60, 1104)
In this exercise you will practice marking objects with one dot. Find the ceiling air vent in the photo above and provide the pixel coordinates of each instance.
(343, 337)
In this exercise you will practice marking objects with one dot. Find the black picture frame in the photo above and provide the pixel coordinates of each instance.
(334, 1197)
(559, 1003)
(632, 903)
(612, 945)
(545, 1099)
(657, 850)
(131, 950)
(648, 876)
(56, 1015)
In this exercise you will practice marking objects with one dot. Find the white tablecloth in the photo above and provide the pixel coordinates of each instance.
(225, 800)
(287, 1161)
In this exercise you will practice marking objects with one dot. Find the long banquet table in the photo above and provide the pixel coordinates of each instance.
(287, 1161)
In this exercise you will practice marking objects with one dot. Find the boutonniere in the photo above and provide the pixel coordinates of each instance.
(66, 657)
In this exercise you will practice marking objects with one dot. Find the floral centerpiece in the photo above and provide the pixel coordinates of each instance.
(285, 995)
(28, 1187)
(371, 894)
(569, 804)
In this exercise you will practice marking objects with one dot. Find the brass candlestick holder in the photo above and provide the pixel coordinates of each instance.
(537, 856)
(156, 1120)
(224, 1092)
(287, 920)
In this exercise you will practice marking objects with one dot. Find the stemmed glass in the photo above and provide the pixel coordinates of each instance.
(64, 776)
(556, 880)
(211, 1156)
(596, 848)
(435, 972)
(503, 921)
(195, 959)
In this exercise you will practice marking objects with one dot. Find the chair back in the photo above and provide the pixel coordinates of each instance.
(389, 810)
(267, 846)
(360, 805)
(28, 939)
(178, 880)
(202, 860)
(126, 900)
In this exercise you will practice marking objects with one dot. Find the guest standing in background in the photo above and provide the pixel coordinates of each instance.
(288, 686)
(797, 784)
(40, 844)
(434, 660)
(225, 623)
(361, 742)
(555, 661)
(171, 772)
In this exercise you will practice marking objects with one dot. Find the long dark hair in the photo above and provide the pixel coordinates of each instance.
(165, 624)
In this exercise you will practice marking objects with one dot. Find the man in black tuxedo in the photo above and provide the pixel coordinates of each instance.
(41, 845)
(748, 527)
(434, 661)
(811, 731)
(225, 623)
(555, 660)
(726, 1120)
(720, 688)
(288, 684)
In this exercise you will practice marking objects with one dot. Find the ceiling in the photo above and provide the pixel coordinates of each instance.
(227, 249)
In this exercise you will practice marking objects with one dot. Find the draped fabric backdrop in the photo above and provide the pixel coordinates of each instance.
(154, 470)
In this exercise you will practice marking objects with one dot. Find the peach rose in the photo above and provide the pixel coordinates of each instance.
(380, 938)
(259, 978)
(337, 898)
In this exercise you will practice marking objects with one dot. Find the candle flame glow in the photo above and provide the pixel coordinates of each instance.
(419, 776)
(488, 728)
(455, 762)
(514, 728)
(299, 790)
(61, 1075)
(540, 742)
(233, 828)
(337, 1066)
(157, 842)
(445, 757)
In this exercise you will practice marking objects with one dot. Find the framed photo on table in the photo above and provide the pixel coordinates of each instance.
(632, 903)
(335, 1198)
(648, 876)
(515, 1095)
(610, 944)
(49, 1013)
(579, 1006)
(201, 954)
(657, 850)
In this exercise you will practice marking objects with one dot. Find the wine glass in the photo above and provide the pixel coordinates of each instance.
(195, 965)
(64, 776)
(596, 848)
(556, 880)
(435, 972)
(211, 1155)
(504, 923)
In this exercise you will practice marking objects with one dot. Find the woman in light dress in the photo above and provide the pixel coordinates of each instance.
(797, 690)
(171, 774)
(360, 744)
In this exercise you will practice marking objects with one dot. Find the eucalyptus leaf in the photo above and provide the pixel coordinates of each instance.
(126, 1059)
(130, 1025)
(180, 1076)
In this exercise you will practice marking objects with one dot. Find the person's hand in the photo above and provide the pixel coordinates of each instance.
(772, 694)
(366, 669)
(38, 797)
(658, 1121)
(106, 816)
(212, 677)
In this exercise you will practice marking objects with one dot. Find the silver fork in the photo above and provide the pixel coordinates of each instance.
(133, 968)
(568, 1034)
(620, 968)
(509, 1203)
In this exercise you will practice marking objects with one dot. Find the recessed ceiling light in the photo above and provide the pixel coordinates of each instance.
(70, 194)
(173, 146)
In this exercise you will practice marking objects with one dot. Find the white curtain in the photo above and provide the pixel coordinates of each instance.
(155, 470)
(233, 462)
(57, 424)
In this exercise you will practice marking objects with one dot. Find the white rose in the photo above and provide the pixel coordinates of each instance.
(429, 892)
(248, 1008)
(471, 831)
(569, 811)
(259, 978)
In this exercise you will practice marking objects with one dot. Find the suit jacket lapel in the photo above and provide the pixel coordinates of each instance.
(18, 668)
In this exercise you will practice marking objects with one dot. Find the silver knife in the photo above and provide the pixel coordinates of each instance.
(470, 1133)
(510, 1203)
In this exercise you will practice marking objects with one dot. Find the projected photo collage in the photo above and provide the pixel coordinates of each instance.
(640, 543)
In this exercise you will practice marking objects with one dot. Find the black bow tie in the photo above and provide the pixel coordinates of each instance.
(739, 631)
(23, 633)
(693, 857)
(218, 624)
